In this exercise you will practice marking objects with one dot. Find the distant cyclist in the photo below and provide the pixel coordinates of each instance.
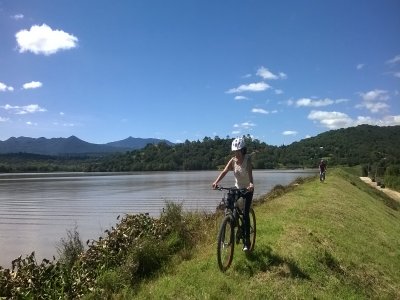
(322, 170)
(242, 168)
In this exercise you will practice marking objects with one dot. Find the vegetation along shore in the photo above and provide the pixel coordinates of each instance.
(332, 240)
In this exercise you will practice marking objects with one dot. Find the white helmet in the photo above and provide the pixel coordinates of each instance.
(238, 144)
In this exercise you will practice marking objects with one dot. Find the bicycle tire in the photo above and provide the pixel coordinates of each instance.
(225, 243)
(253, 229)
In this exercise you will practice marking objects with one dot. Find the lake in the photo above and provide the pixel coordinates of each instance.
(36, 210)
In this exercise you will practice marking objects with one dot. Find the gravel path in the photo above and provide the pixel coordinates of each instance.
(391, 193)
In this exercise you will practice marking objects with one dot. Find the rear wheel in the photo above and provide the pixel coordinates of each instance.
(225, 243)
(252, 236)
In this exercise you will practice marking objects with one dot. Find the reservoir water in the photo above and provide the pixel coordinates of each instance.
(36, 210)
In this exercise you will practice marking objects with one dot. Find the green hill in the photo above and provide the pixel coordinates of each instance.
(332, 240)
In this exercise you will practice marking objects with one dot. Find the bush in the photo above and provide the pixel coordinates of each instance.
(70, 248)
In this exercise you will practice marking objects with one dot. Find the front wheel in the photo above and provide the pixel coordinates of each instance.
(252, 236)
(225, 243)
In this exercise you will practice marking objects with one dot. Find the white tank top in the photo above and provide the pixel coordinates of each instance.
(241, 173)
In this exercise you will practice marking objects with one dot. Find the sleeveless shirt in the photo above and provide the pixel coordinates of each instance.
(241, 173)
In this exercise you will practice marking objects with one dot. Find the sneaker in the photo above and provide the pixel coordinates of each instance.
(245, 249)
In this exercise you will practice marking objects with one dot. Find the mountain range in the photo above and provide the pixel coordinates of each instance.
(72, 145)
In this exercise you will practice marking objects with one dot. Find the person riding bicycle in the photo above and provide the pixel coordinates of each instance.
(242, 169)
(322, 170)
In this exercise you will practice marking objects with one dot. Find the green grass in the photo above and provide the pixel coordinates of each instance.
(332, 240)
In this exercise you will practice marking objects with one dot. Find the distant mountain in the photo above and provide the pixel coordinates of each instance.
(71, 145)
(136, 143)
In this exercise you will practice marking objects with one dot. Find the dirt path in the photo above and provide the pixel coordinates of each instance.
(391, 193)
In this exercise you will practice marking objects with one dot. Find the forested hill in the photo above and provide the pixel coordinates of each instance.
(364, 144)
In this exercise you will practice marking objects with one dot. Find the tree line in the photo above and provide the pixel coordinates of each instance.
(361, 145)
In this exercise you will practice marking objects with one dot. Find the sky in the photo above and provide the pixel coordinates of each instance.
(279, 71)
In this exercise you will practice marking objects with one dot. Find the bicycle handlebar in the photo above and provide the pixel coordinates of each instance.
(233, 189)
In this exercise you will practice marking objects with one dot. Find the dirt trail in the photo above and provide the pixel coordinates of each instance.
(391, 193)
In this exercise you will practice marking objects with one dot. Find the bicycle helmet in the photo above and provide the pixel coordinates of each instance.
(238, 144)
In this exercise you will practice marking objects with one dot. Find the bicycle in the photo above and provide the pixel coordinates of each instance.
(322, 176)
(232, 228)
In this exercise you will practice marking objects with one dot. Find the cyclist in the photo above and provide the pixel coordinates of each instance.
(242, 169)
(322, 170)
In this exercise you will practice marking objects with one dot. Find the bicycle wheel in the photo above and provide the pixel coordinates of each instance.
(252, 236)
(225, 243)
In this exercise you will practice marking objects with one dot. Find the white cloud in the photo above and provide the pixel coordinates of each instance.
(289, 132)
(241, 98)
(267, 74)
(278, 92)
(4, 119)
(307, 102)
(259, 111)
(372, 101)
(252, 87)
(394, 60)
(5, 88)
(44, 40)
(244, 125)
(375, 95)
(32, 85)
(335, 120)
(31, 123)
(22, 110)
(330, 119)
(17, 17)
(360, 66)
(374, 107)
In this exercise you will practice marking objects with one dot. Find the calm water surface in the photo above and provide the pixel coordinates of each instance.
(36, 210)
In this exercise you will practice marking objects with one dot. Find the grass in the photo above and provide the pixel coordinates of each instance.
(332, 240)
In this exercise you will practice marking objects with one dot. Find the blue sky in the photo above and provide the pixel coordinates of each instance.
(280, 71)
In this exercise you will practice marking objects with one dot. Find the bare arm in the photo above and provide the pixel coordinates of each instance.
(227, 168)
(250, 172)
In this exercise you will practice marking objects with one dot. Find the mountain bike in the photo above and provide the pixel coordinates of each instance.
(232, 227)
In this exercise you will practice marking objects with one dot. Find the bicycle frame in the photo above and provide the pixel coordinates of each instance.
(232, 227)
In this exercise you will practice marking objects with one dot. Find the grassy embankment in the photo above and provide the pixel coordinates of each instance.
(334, 240)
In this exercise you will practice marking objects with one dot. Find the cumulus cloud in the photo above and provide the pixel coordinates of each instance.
(330, 119)
(335, 120)
(5, 88)
(252, 87)
(22, 110)
(32, 85)
(373, 101)
(44, 40)
(268, 75)
(375, 95)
